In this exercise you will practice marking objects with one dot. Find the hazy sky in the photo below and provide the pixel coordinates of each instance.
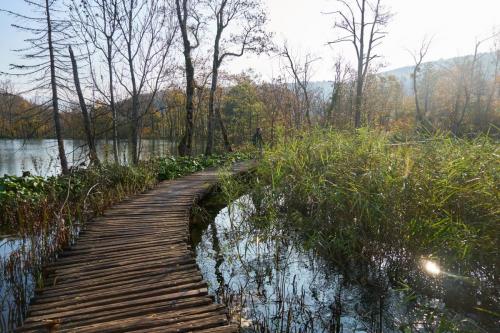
(454, 25)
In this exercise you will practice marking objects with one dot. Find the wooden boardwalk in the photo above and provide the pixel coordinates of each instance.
(133, 270)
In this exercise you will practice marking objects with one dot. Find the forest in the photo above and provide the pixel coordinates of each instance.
(373, 202)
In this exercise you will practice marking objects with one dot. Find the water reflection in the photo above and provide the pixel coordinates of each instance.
(16, 286)
(40, 157)
(272, 284)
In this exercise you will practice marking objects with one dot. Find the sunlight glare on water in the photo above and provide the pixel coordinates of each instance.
(432, 268)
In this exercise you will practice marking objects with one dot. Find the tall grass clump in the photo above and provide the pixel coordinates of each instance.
(439, 197)
(359, 196)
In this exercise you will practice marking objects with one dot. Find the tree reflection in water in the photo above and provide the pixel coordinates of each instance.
(272, 284)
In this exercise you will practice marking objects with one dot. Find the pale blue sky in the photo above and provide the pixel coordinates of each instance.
(10, 38)
(455, 24)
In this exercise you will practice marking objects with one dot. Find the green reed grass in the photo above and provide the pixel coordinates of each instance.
(358, 194)
(374, 206)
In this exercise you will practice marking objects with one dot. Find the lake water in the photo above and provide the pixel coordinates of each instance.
(40, 157)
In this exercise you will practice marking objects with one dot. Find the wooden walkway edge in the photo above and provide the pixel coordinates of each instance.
(132, 270)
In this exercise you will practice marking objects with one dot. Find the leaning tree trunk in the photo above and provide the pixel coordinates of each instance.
(86, 119)
(227, 144)
(55, 98)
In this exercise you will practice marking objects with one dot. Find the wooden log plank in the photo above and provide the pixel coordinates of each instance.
(93, 283)
(136, 244)
(67, 312)
(163, 286)
(75, 259)
(48, 296)
(114, 314)
(93, 261)
(153, 320)
(112, 273)
(186, 326)
(83, 303)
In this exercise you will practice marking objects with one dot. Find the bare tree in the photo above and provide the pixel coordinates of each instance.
(148, 30)
(495, 86)
(44, 58)
(83, 107)
(189, 23)
(301, 73)
(340, 87)
(466, 83)
(363, 23)
(427, 84)
(96, 22)
(246, 20)
(53, 83)
(418, 58)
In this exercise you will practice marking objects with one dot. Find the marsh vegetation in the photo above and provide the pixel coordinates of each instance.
(405, 241)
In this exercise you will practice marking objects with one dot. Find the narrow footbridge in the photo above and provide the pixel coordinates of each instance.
(132, 270)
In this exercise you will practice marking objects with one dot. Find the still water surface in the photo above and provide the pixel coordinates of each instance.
(273, 284)
(40, 157)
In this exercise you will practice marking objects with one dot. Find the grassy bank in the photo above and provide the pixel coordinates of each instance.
(44, 215)
(365, 199)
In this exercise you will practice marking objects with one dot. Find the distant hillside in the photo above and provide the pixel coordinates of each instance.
(20, 118)
(8, 98)
(326, 87)
(485, 60)
(11, 104)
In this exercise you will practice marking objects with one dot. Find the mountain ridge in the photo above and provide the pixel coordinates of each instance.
(403, 74)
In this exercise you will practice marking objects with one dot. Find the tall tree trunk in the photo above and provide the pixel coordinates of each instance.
(308, 107)
(358, 103)
(55, 98)
(418, 115)
(360, 77)
(116, 153)
(134, 123)
(86, 119)
(185, 145)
